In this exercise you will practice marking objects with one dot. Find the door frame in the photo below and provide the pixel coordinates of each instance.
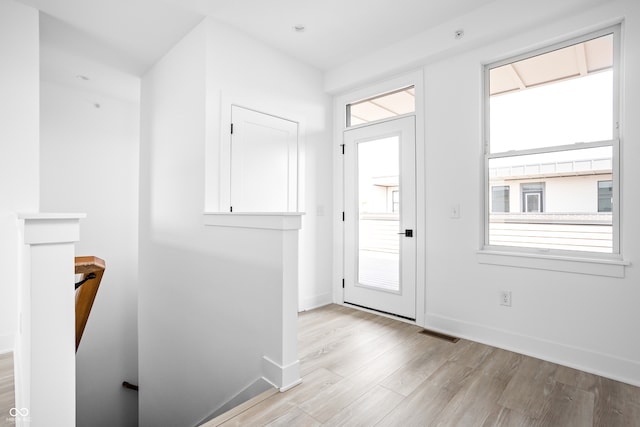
(416, 79)
(401, 302)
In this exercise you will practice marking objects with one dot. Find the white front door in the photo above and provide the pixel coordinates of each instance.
(380, 217)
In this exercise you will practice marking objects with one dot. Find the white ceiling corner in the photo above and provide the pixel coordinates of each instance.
(126, 37)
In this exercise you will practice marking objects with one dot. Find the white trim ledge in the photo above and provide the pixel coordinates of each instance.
(264, 220)
(580, 265)
(48, 228)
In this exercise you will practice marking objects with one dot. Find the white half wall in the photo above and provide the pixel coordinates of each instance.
(208, 300)
(47, 322)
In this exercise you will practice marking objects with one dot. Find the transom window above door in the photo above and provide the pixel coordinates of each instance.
(380, 107)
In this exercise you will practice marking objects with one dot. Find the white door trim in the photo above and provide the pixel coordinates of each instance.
(400, 302)
(340, 101)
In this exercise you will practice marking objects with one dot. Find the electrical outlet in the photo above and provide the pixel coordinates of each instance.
(505, 298)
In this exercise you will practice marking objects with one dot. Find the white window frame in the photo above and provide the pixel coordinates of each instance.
(348, 106)
(536, 258)
(539, 193)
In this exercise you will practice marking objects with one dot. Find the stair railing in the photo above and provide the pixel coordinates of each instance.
(91, 269)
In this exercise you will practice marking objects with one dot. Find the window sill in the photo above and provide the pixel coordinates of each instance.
(263, 220)
(608, 267)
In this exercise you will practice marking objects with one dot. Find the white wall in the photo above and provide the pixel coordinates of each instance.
(579, 320)
(507, 17)
(575, 319)
(573, 194)
(89, 164)
(19, 148)
(263, 79)
(207, 293)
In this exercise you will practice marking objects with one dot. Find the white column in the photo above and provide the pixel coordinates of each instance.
(47, 340)
(290, 364)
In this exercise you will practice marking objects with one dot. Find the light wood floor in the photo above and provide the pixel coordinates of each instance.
(7, 398)
(364, 370)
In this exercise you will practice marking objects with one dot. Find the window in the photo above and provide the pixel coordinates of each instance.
(605, 196)
(395, 201)
(380, 107)
(500, 198)
(551, 121)
(532, 197)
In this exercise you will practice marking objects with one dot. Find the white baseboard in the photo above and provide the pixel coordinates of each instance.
(282, 377)
(315, 301)
(605, 365)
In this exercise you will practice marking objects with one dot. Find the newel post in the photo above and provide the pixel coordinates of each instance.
(282, 367)
(46, 388)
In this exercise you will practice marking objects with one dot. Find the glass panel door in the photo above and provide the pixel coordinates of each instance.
(378, 224)
(380, 258)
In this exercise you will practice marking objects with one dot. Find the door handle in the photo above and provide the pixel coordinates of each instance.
(407, 233)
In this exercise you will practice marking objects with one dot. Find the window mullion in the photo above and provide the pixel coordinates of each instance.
(552, 149)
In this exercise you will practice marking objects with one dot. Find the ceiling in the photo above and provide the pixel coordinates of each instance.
(335, 30)
(128, 36)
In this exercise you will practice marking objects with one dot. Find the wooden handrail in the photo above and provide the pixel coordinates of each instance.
(130, 386)
(86, 293)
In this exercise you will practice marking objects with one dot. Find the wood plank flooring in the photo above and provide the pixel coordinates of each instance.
(7, 396)
(360, 369)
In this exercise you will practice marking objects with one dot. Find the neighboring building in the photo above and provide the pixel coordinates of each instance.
(560, 205)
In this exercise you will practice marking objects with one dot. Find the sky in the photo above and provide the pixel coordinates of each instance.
(581, 111)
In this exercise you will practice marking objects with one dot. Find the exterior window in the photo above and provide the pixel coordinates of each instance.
(500, 198)
(532, 197)
(395, 201)
(380, 107)
(605, 196)
(551, 121)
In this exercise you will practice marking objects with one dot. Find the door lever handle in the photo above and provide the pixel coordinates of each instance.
(407, 233)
